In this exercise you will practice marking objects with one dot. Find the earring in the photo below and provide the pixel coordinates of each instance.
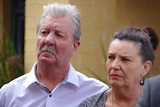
(142, 81)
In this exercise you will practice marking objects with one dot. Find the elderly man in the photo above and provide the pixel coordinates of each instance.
(53, 81)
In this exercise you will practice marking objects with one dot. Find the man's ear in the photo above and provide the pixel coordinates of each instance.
(75, 47)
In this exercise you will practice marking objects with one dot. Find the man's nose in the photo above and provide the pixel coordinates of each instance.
(50, 39)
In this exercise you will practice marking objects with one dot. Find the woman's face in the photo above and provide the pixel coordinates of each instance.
(124, 64)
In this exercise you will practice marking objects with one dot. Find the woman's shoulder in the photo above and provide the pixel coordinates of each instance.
(97, 100)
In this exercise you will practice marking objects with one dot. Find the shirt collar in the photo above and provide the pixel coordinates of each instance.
(31, 77)
(71, 77)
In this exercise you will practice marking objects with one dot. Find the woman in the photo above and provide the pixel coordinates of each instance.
(130, 58)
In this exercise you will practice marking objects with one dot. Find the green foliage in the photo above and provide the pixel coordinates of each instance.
(11, 64)
(105, 58)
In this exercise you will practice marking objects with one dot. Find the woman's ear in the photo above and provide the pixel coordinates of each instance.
(147, 67)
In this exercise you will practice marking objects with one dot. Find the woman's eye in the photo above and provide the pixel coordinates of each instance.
(125, 59)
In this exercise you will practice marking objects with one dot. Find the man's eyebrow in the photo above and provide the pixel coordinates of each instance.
(60, 30)
(43, 27)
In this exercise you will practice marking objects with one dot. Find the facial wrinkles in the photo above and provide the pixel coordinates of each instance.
(54, 23)
(59, 26)
(63, 24)
(121, 53)
(126, 49)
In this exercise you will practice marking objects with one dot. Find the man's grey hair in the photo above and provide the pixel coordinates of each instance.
(62, 10)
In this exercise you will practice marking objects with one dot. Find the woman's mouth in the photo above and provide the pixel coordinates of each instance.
(115, 76)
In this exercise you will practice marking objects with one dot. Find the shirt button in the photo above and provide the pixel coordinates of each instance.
(50, 95)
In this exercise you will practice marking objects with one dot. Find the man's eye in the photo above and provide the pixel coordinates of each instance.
(44, 33)
(58, 34)
(111, 57)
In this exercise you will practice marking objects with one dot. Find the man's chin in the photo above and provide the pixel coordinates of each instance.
(47, 59)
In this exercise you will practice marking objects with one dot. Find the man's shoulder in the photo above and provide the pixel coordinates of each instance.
(90, 81)
(15, 82)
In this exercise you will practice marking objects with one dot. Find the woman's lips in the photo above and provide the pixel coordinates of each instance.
(115, 76)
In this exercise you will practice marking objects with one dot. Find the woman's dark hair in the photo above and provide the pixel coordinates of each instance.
(146, 36)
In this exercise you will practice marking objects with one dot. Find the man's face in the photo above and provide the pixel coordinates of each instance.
(55, 43)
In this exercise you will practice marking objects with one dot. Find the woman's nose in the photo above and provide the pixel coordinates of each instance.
(116, 64)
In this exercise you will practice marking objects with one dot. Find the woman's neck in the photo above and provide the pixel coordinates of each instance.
(123, 98)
